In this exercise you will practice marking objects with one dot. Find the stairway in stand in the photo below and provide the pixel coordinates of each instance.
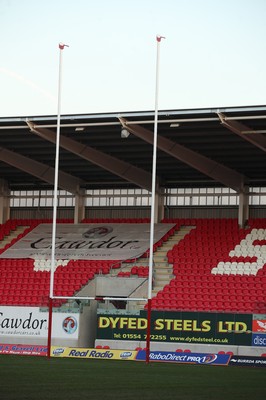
(162, 270)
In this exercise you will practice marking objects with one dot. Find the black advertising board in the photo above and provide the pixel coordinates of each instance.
(246, 361)
(178, 327)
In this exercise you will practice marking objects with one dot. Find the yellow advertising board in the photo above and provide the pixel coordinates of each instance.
(82, 352)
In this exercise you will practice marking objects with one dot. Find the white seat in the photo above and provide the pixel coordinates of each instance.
(227, 267)
(227, 263)
(253, 271)
(227, 272)
(253, 264)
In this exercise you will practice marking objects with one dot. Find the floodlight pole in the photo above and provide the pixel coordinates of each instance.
(153, 192)
(61, 48)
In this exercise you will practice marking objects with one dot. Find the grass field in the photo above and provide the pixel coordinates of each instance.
(23, 377)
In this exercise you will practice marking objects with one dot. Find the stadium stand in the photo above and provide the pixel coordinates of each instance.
(216, 266)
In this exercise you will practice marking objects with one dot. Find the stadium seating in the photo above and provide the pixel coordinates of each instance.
(27, 281)
(216, 267)
(209, 276)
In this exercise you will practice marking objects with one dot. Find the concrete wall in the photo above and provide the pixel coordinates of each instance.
(195, 348)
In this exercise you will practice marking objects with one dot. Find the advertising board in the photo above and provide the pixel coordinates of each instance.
(247, 361)
(87, 241)
(178, 327)
(32, 322)
(101, 354)
(23, 349)
(185, 358)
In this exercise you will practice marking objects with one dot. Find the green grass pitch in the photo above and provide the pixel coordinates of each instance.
(39, 378)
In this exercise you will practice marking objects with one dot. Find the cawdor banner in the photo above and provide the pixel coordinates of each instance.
(87, 241)
(178, 327)
(31, 322)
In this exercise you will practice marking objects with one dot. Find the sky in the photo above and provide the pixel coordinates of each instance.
(214, 55)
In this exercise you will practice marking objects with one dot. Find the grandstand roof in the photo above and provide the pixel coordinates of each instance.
(196, 148)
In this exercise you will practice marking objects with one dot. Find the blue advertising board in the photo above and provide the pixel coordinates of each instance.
(259, 339)
(185, 358)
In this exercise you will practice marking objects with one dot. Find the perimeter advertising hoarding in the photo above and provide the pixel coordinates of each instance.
(184, 358)
(247, 361)
(102, 354)
(156, 356)
(23, 349)
(26, 322)
(178, 327)
(259, 340)
(259, 331)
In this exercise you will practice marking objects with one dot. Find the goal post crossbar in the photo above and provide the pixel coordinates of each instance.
(97, 298)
